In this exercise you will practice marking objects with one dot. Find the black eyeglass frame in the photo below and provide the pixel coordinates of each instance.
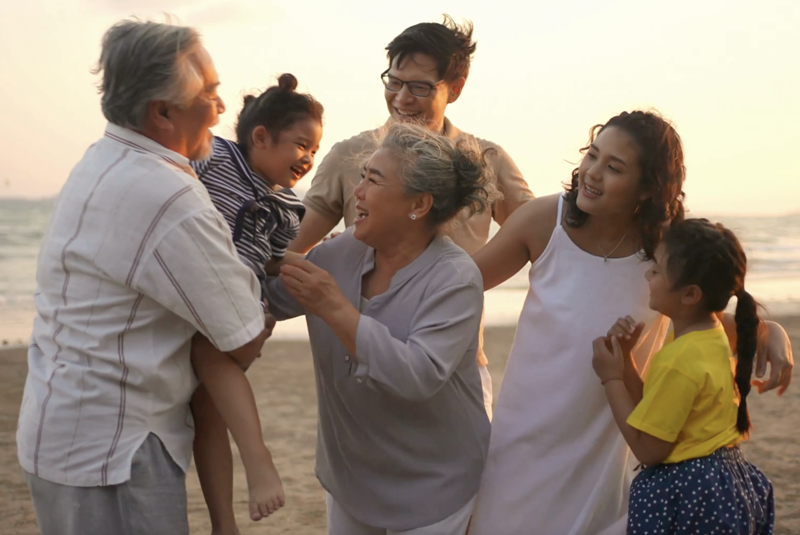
(385, 76)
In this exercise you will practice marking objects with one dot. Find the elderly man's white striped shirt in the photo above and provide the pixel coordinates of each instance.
(136, 260)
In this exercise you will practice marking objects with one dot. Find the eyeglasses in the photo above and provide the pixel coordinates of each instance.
(418, 89)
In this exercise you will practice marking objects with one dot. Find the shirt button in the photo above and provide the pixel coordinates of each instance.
(359, 380)
(347, 358)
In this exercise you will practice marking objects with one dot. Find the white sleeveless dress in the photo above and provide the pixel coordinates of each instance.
(557, 463)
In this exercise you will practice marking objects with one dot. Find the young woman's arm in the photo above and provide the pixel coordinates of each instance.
(774, 347)
(522, 239)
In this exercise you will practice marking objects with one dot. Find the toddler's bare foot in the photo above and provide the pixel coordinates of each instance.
(222, 531)
(266, 490)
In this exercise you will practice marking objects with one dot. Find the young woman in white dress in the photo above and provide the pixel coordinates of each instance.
(557, 462)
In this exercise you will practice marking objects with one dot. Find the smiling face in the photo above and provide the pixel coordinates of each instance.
(665, 297)
(191, 123)
(429, 110)
(609, 177)
(283, 162)
(382, 205)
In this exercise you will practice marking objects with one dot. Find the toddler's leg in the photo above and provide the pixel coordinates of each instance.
(214, 462)
(232, 395)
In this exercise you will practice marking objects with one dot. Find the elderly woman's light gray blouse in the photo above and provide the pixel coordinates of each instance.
(403, 433)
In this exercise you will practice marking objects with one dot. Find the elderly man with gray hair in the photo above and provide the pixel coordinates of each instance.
(135, 262)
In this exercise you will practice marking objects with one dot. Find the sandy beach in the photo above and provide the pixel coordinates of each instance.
(284, 385)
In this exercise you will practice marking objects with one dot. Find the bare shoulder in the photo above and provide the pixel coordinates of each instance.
(541, 210)
(537, 221)
(530, 226)
(537, 216)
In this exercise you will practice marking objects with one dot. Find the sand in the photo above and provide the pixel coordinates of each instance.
(284, 384)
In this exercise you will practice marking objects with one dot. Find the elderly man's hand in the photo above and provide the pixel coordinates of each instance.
(313, 287)
(775, 348)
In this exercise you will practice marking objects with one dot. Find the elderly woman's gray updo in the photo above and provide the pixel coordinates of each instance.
(453, 172)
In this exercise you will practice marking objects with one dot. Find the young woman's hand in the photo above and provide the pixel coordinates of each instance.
(607, 362)
(775, 349)
(627, 332)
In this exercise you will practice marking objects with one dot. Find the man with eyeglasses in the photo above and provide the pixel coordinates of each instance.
(428, 67)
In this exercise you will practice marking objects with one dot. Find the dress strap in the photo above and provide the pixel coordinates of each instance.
(560, 208)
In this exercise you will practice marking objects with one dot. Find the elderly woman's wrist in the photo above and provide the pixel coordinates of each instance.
(334, 307)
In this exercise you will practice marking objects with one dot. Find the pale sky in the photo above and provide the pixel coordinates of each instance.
(727, 73)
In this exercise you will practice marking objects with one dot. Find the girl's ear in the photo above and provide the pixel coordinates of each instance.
(260, 137)
(691, 295)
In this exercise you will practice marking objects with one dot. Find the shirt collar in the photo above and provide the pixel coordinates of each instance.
(450, 130)
(428, 256)
(144, 144)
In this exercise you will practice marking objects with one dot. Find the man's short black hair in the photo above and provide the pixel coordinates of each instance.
(448, 43)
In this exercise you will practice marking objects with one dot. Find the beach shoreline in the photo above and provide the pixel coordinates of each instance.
(283, 382)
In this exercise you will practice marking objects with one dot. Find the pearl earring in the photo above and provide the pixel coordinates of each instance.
(413, 217)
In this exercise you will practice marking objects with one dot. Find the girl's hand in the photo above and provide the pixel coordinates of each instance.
(607, 363)
(313, 287)
(627, 332)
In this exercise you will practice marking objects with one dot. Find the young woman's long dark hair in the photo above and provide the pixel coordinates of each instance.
(709, 256)
(663, 173)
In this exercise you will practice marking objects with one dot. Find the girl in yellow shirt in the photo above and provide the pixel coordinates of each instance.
(684, 422)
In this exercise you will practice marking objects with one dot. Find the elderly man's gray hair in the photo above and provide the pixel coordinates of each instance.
(146, 61)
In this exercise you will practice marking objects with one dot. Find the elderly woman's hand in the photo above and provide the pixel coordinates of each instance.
(775, 348)
(313, 287)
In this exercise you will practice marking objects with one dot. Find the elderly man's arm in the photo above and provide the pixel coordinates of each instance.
(194, 272)
(249, 352)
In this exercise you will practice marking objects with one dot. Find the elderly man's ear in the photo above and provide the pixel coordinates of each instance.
(158, 114)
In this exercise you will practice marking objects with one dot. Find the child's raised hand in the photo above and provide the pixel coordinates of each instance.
(627, 332)
(607, 362)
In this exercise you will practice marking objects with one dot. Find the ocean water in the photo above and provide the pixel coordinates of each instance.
(772, 245)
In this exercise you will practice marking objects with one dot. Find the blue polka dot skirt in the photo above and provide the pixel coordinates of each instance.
(718, 494)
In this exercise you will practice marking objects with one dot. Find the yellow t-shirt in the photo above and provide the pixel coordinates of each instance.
(690, 396)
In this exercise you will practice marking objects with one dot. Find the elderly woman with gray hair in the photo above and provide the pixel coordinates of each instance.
(393, 310)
